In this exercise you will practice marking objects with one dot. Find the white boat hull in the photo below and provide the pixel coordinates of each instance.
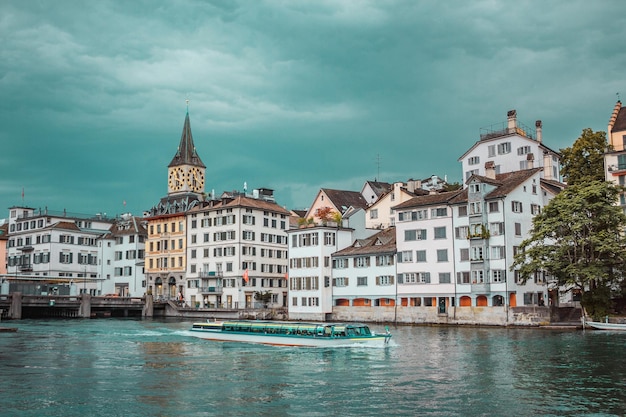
(606, 326)
(290, 334)
(287, 340)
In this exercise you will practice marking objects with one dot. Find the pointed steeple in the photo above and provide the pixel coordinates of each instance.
(186, 153)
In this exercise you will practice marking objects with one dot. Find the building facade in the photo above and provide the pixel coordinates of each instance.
(511, 147)
(237, 252)
(166, 244)
(46, 245)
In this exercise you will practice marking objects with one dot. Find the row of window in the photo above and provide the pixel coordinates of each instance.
(502, 148)
(363, 261)
(126, 271)
(312, 239)
(44, 258)
(68, 239)
(246, 219)
(464, 277)
(422, 214)
(381, 280)
(265, 282)
(167, 228)
(130, 254)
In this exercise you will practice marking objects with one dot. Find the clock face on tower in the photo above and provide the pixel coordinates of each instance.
(176, 179)
(195, 179)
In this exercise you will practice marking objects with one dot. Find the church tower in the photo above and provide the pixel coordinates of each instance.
(185, 177)
(186, 171)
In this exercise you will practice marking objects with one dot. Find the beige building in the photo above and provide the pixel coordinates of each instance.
(166, 246)
(615, 159)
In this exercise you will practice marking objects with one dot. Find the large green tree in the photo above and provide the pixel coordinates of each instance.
(578, 237)
(584, 161)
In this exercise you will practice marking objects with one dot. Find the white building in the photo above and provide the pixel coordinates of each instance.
(511, 147)
(236, 249)
(46, 244)
(492, 216)
(364, 273)
(310, 269)
(379, 215)
(425, 251)
(122, 254)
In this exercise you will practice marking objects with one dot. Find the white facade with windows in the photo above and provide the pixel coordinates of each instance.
(425, 251)
(228, 237)
(310, 269)
(123, 257)
(491, 219)
(364, 274)
(511, 147)
(47, 244)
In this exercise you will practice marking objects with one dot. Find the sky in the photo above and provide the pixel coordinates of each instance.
(288, 95)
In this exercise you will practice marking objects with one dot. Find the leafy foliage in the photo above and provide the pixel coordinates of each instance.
(584, 161)
(579, 240)
(263, 297)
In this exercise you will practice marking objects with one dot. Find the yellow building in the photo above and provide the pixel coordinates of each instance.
(166, 246)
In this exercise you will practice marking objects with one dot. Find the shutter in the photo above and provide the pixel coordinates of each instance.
(377, 280)
(391, 279)
(427, 277)
(400, 279)
(399, 255)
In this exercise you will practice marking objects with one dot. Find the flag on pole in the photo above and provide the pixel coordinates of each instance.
(245, 275)
(286, 276)
(22, 194)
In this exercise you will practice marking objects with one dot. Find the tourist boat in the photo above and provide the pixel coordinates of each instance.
(604, 326)
(290, 333)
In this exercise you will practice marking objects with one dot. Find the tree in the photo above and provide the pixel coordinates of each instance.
(325, 214)
(584, 161)
(578, 239)
(264, 297)
(453, 186)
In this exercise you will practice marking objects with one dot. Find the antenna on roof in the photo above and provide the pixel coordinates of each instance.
(378, 158)
(617, 94)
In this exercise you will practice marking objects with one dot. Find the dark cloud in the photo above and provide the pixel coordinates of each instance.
(287, 95)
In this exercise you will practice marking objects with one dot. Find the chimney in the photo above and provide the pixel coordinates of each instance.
(490, 170)
(410, 186)
(531, 161)
(538, 130)
(512, 120)
(547, 166)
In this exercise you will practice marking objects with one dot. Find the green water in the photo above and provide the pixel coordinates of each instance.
(112, 367)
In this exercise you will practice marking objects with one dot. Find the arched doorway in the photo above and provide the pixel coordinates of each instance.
(465, 301)
(171, 284)
(513, 300)
(342, 302)
(481, 301)
(497, 300)
(158, 287)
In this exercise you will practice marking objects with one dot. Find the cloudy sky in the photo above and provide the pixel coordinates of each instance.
(288, 95)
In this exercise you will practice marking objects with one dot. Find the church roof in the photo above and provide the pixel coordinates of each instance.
(186, 153)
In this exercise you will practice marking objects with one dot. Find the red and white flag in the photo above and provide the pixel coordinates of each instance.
(245, 275)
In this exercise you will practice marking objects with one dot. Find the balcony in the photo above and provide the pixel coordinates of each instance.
(218, 289)
(481, 287)
(27, 248)
(28, 267)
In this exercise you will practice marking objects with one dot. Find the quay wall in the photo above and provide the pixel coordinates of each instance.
(487, 316)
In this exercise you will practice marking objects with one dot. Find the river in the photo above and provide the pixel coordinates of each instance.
(113, 367)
